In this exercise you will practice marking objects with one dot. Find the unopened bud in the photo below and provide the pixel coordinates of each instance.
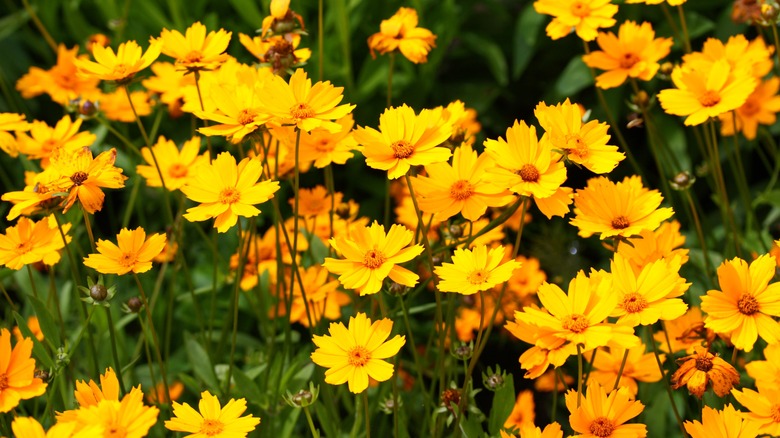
(98, 292)
(135, 304)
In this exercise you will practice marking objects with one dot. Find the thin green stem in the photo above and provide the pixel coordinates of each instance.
(390, 69)
(119, 136)
(314, 432)
(296, 218)
(699, 231)
(367, 414)
(320, 39)
(88, 225)
(203, 108)
(669, 391)
(684, 26)
(155, 340)
(413, 346)
(114, 350)
(39, 24)
(7, 297)
(620, 371)
(579, 375)
(237, 290)
(32, 281)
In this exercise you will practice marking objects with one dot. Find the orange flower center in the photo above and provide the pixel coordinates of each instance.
(301, 111)
(602, 427)
(461, 190)
(575, 323)
(193, 56)
(529, 173)
(402, 149)
(79, 177)
(576, 145)
(775, 409)
(116, 432)
(358, 356)
(620, 223)
(229, 196)
(709, 98)
(324, 145)
(703, 363)
(24, 247)
(628, 60)
(580, 9)
(211, 427)
(750, 107)
(4, 382)
(49, 145)
(127, 259)
(634, 302)
(374, 259)
(479, 276)
(119, 70)
(246, 116)
(747, 304)
(178, 170)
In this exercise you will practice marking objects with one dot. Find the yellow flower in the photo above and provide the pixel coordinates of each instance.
(583, 16)
(747, 303)
(760, 107)
(89, 394)
(40, 193)
(177, 166)
(464, 187)
(701, 94)
(536, 360)
(665, 242)
(324, 147)
(581, 143)
(171, 85)
(11, 122)
(133, 252)
(728, 423)
(622, 209)
(474, 271)
(465, 126)
(552, 430)
(354, 354)
(639, 367)
(522, 414)
(237, 113)
(44, 140)
(128, 418)
(633, 53)
(226, 191)
(60, 82)
(702, 367)
(121, 66)
(400, 32)
(371, 256)
(315, 201)
(746, 58)
(404, 139)
(213, 420)
(303, 105)
(602, 414)
(17, 370)
(28, 427)
(658, 2)
(82, 176)
(766, 372)
(764, 407)
(31, 242)
(196, 50)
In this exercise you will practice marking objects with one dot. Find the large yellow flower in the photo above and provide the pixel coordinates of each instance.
(766, 372)
(177, 166)
(354, 354)
(226, 191)
(128, 418)
(28, 427)
(728, 423)
(760, 108)
(582, 16)
(404, 140)
(747, 303)
(17, 372)
(196, 50)
(132, 253)
(603, 414)
(213, 420)
(43, 140)
(475, 270)
(83, 176)
(764, 407)
(400, 32)
(237, 112)
(31, 242)
(121, 66)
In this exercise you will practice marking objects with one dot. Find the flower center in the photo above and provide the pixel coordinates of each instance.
(704, 363)
(634, 302)
(358, 356)
(620, 223)
(602, 427)
(709, 98)
(575, 323)
(24, 247)
(178, 170)
(120, 70)
(579, 9)
(628, 60)
(373, 259)
(461, 190)
(229, 196)
(127, 259)
(747, 304)
(4, 382)
(479, 276)
(79, 177)
(750, 107)
(193, 56)
(402, 149)
(211, 427)
(323, 145)
(576, 145)
(246, 116)
(775, 409)
(116, 432)
(50, 145)
(529, 173)
(301, 111)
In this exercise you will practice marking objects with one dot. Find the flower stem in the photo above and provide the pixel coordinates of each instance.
(320, 39)
(314, 432)
(669, 391)
(620, 371)
(155, 341)
(390, 80)
(88, 225)
(418, 365)
(203, 108)
(367, 411)
(294, 250)
(39, 24)
(699, 232)
(579, 375)
(32, 281)
(114, 352)
(236, 291)
(684, 26)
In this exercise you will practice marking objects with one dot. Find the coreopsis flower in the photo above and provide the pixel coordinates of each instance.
(132, 253)
(400, 32)
(581, 143)
(525, 281)
(41, 193)
(658, 2)
(582, 16)
(17, 370)
(83, 177)
(116, 107)
(35, 328)
(522, 414)
(31, 242)
(604, 414)
(90, 394)
(371, 256)
(639, 367)
(728, 423)
(159, 395)
(764, 407)
(465, 126)
(43, 140)
(702, 94)
(302, 104)
(766, 372)
(760, 108)
(60, 82)
(213, 420)
(121, 66)
(11, 122)
(464, 187)
(177, 166)
(745, 307)
(550, 381)
(633, 53)
(196, 50)
(536, 360)
(685, 333)
(29, 427)
(323, 147)
(665, 242)
(237, 112)
(226, 191)
(324, 298)
(552, 430)
(281, 52)
(475, 270)
(746, 58)
(128, 415)
(702, 367)
(621, 209)
(353, 354)
(170, 85)
(315, 201)
(404, 139)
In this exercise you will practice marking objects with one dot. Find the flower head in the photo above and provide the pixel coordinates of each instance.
(603, 414)
(728, 423)
(83, 177)
(702, 367)
(44, 141)
(353, 354)
(766, 372)
(128, 417)
(177, 166)
(11, 122)
(323, 147)
(400, 32)
(760, 108)
(29, 427)
(60, 82)
(475, 270)
(31, 242)
(121, 66)
(582, 16)
(17, 372)
(133, 253)
(764, 407)
(213, 420)
(639, 367)
(196, 50)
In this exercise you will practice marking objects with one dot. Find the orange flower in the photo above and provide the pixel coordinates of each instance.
(177, 166)
(522, 414)
(60, 82)
(400, 32)
(82, 176)
(115, 106)
(604, 414)
(728, 423)
(760, 108)
(639, 367)
(31, 242)
(11, 122)
(44, 140)
(17, 372)
(700, 368)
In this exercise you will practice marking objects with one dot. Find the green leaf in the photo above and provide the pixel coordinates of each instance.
(492, 54)
(526, 32)
(290, 421)
(11, 23)
(503, 402)
(51, 332)
(201, 364)
(573, 79)
(770, 198)
(38, 349)
(247, 387)
(471, 426)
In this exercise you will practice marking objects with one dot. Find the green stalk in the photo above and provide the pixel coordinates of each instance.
(155, 340)
(114, 351)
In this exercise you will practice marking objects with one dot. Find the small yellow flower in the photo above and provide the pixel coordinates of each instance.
(728, 423)
(31, 242)
(132, 253)
(11, 122)
(196, 50)
(17, 369)
(475, 270)
(177, 166)
(582, 16)
(213, 420)
(400, 32)
(44, 141)
(121, 66)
